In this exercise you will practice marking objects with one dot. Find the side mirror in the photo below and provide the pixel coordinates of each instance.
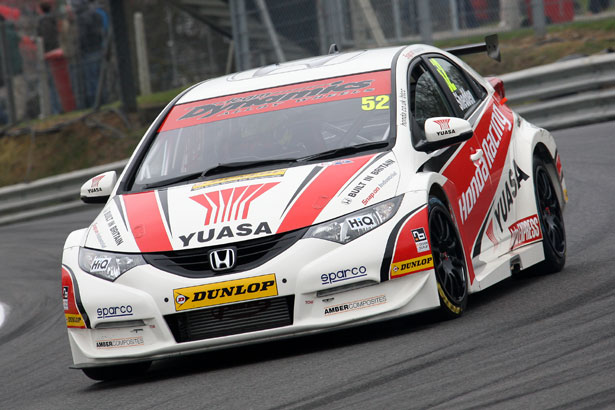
(98, 189)
(444, 131)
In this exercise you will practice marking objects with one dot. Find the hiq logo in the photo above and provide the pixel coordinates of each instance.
(99, 264)
(343, 274)
(361, 222)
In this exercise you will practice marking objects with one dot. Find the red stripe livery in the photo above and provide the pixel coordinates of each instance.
(146, 223)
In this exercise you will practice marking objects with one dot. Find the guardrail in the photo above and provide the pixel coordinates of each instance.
(564, 94)
(48, 196)
(552, 96)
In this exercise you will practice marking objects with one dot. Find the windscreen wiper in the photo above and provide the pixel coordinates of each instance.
(172, 181)
(230, 166)
(337, 152)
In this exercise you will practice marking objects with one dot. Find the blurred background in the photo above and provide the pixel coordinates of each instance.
(66, 59)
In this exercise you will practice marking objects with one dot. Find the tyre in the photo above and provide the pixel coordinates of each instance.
(125, 371)
(551, 219)
(449, 260)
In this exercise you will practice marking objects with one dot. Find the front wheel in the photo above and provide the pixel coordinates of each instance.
(449, 260)
(124, 371)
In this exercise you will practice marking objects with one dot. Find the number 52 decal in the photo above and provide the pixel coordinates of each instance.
(378, 102)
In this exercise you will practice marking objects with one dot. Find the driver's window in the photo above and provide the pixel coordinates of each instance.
(426, 98)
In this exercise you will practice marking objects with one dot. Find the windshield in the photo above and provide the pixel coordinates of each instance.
(265, 127)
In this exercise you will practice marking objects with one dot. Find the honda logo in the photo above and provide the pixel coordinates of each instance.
(222, 259)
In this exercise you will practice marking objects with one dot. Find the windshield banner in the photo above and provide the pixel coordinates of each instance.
(376, 83)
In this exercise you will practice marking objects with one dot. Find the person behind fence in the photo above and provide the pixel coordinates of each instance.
(47, 28)
(14, 72)
(90, 24)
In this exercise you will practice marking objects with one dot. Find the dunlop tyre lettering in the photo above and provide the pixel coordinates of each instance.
(448, 260)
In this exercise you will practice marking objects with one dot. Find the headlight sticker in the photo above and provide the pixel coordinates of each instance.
(100, 264)
(225, 292)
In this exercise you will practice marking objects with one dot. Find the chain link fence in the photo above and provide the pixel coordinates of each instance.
(58, 55)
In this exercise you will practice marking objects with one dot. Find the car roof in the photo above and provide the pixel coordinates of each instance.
(298, 71)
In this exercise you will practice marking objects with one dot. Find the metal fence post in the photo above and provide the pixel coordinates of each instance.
(396, 20)
(44, 98)
(424, 11)
(240, 35)
(538, 17)
(452, 5)
(273, 36)
(323, 45)
(145, 84)
(7, 74)
(122, 50)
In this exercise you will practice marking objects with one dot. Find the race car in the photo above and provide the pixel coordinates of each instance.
(310, 196)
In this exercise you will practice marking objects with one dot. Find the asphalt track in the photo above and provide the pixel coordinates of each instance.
(543, 341)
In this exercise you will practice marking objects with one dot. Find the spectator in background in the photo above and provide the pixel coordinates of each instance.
(48, 29)
(90, 25)
(14, 69)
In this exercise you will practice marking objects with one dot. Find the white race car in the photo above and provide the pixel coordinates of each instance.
(309, 196)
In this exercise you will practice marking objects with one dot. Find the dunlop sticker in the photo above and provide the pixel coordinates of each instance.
(411, 265)
(225, 292)
(74, 320)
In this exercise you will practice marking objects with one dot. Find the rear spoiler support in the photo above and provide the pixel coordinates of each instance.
(491, 46)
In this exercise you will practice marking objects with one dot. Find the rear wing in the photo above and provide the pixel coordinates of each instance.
(491, 46)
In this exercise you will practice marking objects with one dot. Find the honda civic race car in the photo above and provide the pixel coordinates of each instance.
(310, 196)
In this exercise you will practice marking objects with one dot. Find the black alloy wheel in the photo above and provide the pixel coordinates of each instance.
(551, 219)
(449, 260)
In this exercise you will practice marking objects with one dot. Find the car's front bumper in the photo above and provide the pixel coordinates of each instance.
(128, 320)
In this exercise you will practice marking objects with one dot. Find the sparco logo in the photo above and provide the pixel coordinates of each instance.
(343, 274)
(222, 259)
(114, 311)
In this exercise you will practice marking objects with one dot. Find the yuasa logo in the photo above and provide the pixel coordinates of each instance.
(343, 274)
(230, 204)
(443, 124)
(96, 181)
(114, 311)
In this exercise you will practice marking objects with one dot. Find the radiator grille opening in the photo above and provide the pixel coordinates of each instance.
(194, 263)
(232, 319)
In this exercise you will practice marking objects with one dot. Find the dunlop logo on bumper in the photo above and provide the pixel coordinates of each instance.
(411, 265)
(225, 292)
(74, 320)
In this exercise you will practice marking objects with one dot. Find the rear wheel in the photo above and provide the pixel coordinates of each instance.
(449, 260)
(125, 371)
(551, 219)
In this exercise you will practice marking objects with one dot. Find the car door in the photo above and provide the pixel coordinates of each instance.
(490, 145)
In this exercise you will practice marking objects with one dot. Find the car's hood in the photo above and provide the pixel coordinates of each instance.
(237, 208)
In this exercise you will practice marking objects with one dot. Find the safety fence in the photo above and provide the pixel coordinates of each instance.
(553, 96)
(61, 56)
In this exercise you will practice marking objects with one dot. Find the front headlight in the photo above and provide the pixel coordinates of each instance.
(107, 265)
(349, 227)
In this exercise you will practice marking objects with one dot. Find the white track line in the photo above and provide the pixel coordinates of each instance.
(4, 310)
